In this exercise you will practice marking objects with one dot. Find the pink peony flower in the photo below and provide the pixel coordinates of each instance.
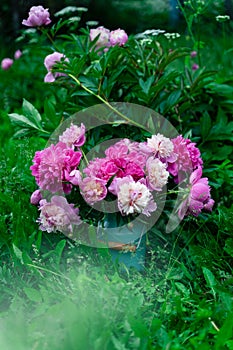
(58, 215)
(17, 54)
(53, 165)
(49, 63)
(103, 40)
(134, 197)
(118, 37)
(75, 177)
(161, 146)
(134, 170)
(35, 197)
(6, 63)
(188, 158)
(128, 150)
(119, 167)
(37, 17)
(198, 197)
(194, 153)
(93, 190)
(73, 136)
(94, 168)
(118, 150)
(71, 161)
(157, 174)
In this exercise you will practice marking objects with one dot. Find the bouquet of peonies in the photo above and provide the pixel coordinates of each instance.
(130, 174)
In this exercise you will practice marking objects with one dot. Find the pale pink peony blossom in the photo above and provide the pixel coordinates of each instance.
(157, 174)
(37, 17)
(198, 197)
(161, 146)
(58, 215)
(17, 54)
(49, 62)
(74, 136)
(35, 197)
(118, 37)
(103, 39)
(93, 190)
(134, 198)
(6, 63)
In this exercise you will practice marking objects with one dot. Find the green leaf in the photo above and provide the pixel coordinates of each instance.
(205, 125)
(49, 109)
(229, 246)
(59, 249)
(221, 89)
(31, 113)
(22, 121)
(22, 132)
(18, 253)
(225, 333)
(210, 280)
(171, 100)
(146, 85)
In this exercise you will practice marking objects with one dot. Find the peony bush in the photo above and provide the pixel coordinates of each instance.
(102, 65)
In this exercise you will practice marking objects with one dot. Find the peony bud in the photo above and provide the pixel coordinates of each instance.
(6, 63)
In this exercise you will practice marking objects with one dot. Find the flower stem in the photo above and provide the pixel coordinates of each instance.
(128, 120)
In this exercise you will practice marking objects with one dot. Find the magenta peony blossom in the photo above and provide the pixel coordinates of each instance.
(35, 197)
(103, 40)
(128, 150)
(49, 63)
(17, 54)
(73, 136)
(53, 165)
(37, 17)
(188, 158)
(58, 215)
(118, 167)
(118, 37)
(93, 190)
(6, 63)
(198, 197)
(71, 161)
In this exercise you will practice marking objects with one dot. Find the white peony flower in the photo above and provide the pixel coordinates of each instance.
(157, 174)
(160, 145)
(135, 197)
